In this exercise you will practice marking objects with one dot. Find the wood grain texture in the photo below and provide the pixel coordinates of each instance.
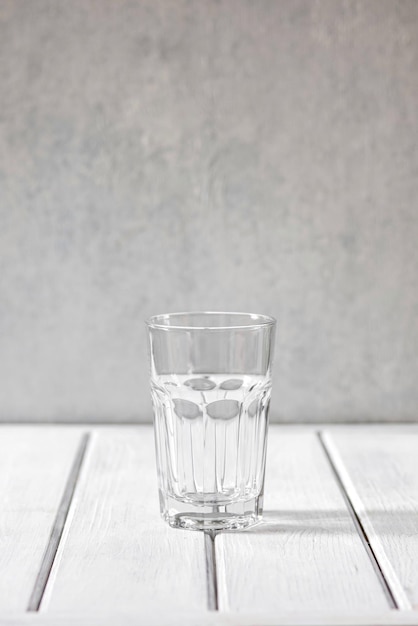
(379, 469)
(116, 553)
(34, 466)
(212, 618)
(307, 553)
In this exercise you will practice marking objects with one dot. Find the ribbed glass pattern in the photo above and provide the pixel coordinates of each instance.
(211, 433)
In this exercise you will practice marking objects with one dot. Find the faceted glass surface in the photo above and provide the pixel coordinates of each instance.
(211, 427)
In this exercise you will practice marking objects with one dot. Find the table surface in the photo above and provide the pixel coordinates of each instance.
(82, 542)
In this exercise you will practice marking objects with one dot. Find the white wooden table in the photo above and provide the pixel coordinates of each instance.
(81, 540)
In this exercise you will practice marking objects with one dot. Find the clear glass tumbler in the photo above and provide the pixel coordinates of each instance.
(211, 385)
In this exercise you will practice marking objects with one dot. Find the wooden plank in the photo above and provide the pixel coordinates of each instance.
(35, 463)
(117, 553)
(378, 467)
(58, 527)
(213, 618)
(307, 553)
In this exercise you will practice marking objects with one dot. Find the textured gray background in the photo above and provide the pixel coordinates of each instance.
(240, 155)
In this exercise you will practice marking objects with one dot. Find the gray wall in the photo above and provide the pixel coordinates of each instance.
(239, 155)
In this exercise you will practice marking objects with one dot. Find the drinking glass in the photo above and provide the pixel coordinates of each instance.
(211, 386)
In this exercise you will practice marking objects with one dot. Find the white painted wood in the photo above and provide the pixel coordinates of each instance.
(379, 469)
(35, 462)
(117, 553)
(199, 618)
(307, 554)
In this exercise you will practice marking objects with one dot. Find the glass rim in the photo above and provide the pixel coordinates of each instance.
(259, 321)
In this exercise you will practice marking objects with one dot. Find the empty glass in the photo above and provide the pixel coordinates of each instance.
(211, 385)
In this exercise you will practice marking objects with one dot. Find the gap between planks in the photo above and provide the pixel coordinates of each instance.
(391, 586)
(211, 574)
(58, 527)
(393, 589)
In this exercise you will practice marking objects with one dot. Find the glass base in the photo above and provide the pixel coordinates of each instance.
(233, 516)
